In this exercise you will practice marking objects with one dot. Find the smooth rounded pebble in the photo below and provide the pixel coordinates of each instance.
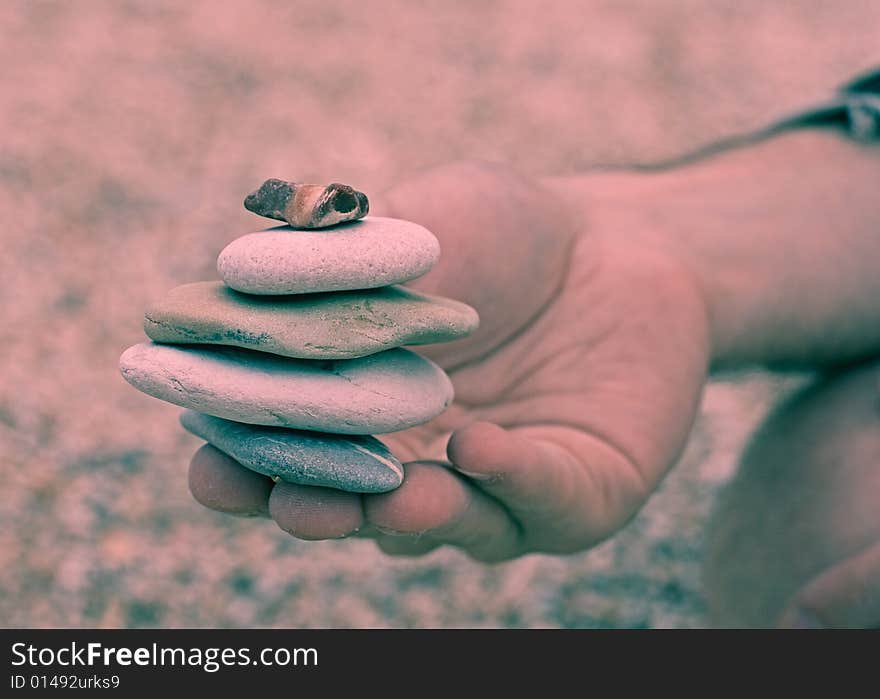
(364, 254)
(340, 325)
(384, 392)
(355, 464)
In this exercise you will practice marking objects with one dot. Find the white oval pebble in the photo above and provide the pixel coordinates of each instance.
(364, 254)
(383, 392)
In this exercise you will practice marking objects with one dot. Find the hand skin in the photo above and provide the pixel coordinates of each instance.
(795, 537)
(605, 299)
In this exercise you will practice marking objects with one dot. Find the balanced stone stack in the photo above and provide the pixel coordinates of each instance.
(295, 359)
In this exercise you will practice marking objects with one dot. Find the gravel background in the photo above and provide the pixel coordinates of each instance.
(130, 132)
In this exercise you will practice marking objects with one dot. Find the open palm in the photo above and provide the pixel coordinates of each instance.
(572, 399)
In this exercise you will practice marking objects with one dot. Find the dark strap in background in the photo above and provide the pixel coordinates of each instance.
(855, 109)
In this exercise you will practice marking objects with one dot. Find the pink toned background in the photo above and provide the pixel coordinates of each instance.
(130, 133)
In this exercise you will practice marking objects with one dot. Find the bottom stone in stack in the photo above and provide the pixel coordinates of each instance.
(358, 464)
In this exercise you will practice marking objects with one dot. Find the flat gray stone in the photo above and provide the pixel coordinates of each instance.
(385, 392)
(355, 464)
(340, 325)
(364, 254)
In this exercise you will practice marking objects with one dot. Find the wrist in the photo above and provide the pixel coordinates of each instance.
(780, 237)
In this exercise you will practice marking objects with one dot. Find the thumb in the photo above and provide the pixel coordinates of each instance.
(567, 489)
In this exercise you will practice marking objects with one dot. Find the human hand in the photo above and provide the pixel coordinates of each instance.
(572, 399)
(794, 537)
(844, 596)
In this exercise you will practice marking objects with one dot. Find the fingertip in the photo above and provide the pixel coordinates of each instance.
(314, 513)
(440, 507)
(479, 450)
(430, 497)
(405, 546)
(220, 483)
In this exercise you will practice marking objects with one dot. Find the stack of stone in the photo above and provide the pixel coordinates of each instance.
(291, 362)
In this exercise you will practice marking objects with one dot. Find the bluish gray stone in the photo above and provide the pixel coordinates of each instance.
(356, 464)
